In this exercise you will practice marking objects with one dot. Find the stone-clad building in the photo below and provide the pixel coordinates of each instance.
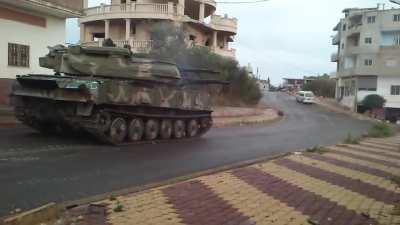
(128, 22)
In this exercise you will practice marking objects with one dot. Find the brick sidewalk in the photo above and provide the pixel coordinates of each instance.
(347, 185)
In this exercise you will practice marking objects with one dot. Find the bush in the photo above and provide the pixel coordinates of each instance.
(373, 102)
(118, 208)
(380, 130)
(351, 140)
(169, 43)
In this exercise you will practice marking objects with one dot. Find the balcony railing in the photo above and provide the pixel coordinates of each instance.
(144, 46)
(229, 52)
(139, 8)
(136, 45)
(223, 23)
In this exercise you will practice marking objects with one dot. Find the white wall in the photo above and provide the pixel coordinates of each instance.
(384, 84)
(348, 101)
(38, 38)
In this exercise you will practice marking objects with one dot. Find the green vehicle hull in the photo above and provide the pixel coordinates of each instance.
(116, 98)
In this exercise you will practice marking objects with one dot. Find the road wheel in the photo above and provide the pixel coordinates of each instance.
(179, 129)
(136, 129)
(206, 123)
(118, 130)
(166, 129)
(151, 130)
(103, 121)
(192, 128)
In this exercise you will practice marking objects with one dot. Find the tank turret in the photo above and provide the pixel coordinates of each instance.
(108, 62)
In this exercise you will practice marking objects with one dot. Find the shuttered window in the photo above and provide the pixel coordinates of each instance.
(18, 55)
(367, 83)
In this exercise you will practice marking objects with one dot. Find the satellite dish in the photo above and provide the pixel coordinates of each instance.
(395, 2)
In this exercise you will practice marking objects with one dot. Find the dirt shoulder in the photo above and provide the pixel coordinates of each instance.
(334, 106)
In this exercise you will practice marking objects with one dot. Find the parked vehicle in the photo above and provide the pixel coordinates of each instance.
(305, 97)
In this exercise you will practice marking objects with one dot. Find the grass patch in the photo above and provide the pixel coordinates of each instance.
(119, 207)
(381, 130)
(352, 140)
(317, 149)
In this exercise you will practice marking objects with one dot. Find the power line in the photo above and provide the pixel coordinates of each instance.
(242, 2)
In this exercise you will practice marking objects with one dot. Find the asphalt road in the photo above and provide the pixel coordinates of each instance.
(35, 169)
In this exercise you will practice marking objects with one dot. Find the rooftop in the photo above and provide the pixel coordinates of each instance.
(58, 8)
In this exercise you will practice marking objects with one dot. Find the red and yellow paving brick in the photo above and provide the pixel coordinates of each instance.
(347, 185)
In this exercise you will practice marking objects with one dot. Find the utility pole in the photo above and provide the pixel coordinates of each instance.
(395, 2)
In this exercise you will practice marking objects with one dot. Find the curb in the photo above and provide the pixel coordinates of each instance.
(241, 123)
(46, 213)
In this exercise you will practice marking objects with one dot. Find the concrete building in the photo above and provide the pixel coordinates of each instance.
(368, 57)
(129, 22)
(27, 27)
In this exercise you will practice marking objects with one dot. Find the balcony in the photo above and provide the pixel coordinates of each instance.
(223, 23)
(336, 39)
(133, 10)
(334, 57)
(354, 29)
(227, 52)
(137, 46)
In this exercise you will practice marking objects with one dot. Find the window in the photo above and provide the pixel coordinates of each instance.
(395, 90)
(133, 29)
(342, 46)
(371, 19)
(18, 55)
(368, 62)
(396, 18)
(396, 39)
(368, 40)
(344, 27)
(309, 95)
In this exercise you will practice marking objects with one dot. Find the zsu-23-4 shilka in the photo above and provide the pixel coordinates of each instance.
(115, 97)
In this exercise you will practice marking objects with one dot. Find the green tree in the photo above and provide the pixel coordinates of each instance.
(373, 102)
(321, 86)
(169, 43)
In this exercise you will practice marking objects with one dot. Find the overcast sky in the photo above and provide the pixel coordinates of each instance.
(283, 38)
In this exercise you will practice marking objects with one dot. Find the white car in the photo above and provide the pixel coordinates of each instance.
(305, 97)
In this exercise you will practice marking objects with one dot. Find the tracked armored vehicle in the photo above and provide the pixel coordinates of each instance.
(117, 98)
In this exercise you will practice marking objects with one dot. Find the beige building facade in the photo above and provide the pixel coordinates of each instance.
(129, 22)
(28, 27)
(368, 57)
